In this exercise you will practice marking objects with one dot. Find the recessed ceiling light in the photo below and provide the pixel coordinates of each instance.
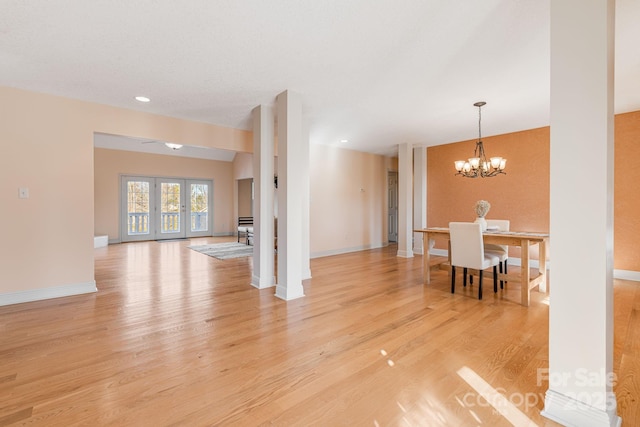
(173, 146)
(344, 141)
(142, 99)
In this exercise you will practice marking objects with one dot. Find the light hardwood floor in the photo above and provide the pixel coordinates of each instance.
(174, 337)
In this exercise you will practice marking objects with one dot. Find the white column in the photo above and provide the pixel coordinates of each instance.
(290, 195)
(581, 201)
(405, 199)
(419, 195)
(304, 166)
(263, 232)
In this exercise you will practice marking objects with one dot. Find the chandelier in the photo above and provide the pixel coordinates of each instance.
(478, 166)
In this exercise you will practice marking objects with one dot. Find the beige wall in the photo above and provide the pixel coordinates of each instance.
(348, 200)
(243, 166)
(109, 165)
(46, 145)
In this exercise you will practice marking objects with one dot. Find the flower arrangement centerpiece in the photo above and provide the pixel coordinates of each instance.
(482, 209)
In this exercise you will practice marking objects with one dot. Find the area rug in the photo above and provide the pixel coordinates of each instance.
(225, 250)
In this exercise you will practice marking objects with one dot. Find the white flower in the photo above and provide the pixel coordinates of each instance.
(482, 208)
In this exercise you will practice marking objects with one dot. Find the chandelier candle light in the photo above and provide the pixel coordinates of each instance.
(478, 166)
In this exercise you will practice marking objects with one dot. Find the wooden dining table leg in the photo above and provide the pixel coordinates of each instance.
(542, 266)
(524, 273)
(426, 257)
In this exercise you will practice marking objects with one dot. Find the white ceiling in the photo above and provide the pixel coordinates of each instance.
(376, 72)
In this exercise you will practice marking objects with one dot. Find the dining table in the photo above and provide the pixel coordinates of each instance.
(522, 239)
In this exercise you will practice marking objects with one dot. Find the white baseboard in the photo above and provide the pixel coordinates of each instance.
(405, 254)
(283, 293)
(532, 263)
(100, 241)
(626, 275)
(263, 283)
(222, 234)
(47, 293)
(439, 252)
(346, 250)
(570, 412)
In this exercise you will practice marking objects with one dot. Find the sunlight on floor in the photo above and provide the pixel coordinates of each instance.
(427, 412)
(492, 397)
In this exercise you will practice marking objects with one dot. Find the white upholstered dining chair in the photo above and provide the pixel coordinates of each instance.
(502, 251)
(467, 251)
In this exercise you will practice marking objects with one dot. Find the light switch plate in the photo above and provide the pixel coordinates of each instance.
(23, 193)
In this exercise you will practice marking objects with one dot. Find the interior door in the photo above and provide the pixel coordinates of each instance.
(170, 208)
(393, 206)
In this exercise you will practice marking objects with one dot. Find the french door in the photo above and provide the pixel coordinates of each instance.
(154, 208)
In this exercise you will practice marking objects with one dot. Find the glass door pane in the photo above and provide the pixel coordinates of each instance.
(137, 205)
(171, 208)
(199, 203)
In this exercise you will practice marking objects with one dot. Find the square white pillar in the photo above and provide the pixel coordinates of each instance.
(306, 202)
(291, 195)
(581, 200)
(263, 226)
(405, 200)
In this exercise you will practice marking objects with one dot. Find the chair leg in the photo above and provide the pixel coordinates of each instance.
(495, 279)
(501, 282)
(505, 268)
(471, 279)
(453, 279)
(480, 284)
(464, 277)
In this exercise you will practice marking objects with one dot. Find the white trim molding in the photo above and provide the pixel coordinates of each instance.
(626, 275)
(571, 412)
(439, 252)
(263, 282)
(347, 250)
(47, 293)
(100, 241)
(405, 254)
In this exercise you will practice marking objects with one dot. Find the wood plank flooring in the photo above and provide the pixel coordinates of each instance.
(174, 337)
